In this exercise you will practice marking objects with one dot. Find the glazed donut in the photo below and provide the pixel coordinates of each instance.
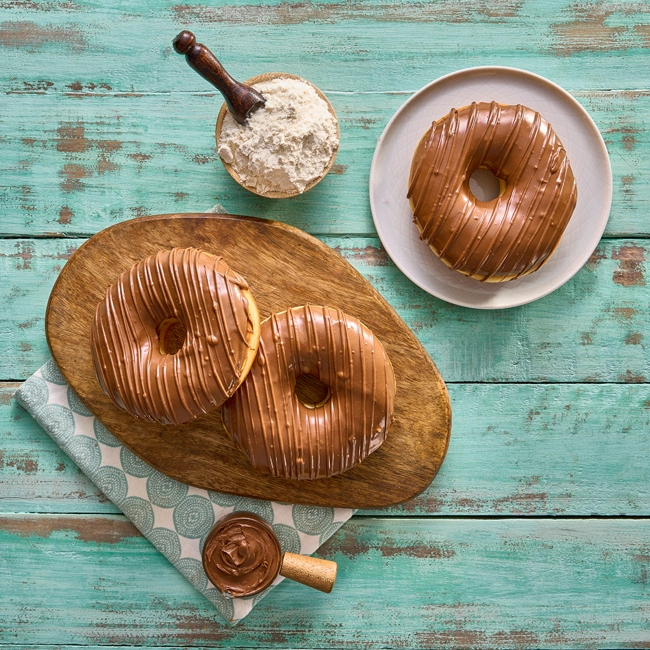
(515, 233)
(174, 336)
(281, 435)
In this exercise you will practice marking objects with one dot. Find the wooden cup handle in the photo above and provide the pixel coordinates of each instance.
(310, 571)
(241, 100)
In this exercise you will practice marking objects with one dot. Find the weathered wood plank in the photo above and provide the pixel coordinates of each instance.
(593, 329)
(361, 45)
(521, 449)
(74, 165)
(402, 583)
(35, 475)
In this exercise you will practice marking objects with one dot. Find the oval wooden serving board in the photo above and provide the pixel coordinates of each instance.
(285, 267)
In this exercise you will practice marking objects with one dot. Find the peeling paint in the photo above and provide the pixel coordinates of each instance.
(71, 137)
(139, 211)
(630, 378)
(78, 86)
(529, 502)
(629, 141)
(294, 13)
(624, 313)
(105, 165)
(21, 463)
(595, 258)
(203, 160)
(109, 145)
(73, 175)
(630, 270)
(346, 542)
(140, 157)
(101, 530)
(369, 255)
(38, 87)
(627, 189)
(28, 324)
(28, 35)
(65, 215)
(24, 252)
(420, 551)
(592, 27)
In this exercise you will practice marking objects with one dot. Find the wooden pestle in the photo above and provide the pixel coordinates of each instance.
(241, 100)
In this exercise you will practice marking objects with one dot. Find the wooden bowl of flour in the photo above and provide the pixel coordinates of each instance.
(268, 76)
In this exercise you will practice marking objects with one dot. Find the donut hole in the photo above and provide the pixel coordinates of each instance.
(171, 336)
(485, 185)
(311, 391)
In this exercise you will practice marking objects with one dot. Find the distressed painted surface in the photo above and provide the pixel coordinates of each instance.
(444, 582)
(359, 45)
(76, 164)
(35, 475)
(594, 329)
(515, 450)
(100, 122)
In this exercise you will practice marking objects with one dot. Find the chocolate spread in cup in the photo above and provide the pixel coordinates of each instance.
(242, 555)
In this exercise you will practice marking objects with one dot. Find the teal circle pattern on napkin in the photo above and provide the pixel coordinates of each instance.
(194, 517)
(312, 520)
(175, 517)
(103, 435)
(133, 465)
(165, 492)
(113, 482)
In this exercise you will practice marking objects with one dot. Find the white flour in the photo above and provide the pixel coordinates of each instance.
(284, 145)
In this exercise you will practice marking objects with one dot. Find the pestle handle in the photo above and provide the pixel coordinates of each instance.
(310, 571)
(241, 100)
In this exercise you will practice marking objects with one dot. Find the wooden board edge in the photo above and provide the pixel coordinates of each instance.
(321, 245)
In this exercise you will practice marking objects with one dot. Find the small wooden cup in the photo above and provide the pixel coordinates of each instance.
(268, 76)
(311, 571)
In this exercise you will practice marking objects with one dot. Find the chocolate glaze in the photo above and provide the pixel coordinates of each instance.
(242, 555)
(283, 437)
(513, 234)
(215, 307)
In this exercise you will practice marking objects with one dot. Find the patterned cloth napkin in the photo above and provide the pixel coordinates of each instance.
(173, 516)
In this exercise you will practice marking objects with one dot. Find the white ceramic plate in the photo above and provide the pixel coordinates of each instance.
(392, 161)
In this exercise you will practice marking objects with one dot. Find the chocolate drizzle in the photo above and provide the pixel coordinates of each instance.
(216, 309)
(283, 437)
(514, 234)
(242, 555)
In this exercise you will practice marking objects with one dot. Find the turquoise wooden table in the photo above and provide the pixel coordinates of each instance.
(535, 532)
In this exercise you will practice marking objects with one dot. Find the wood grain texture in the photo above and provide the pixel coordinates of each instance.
(603, 312)
(35, 474)
(517, 450)
(284, 267)
(100, 121)
(74, 164)
(433, 584)
(361, 45)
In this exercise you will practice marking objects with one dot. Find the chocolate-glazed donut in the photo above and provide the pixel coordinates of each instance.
(515, 233)
(174, 336)
(242, 555)
(282, 436)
